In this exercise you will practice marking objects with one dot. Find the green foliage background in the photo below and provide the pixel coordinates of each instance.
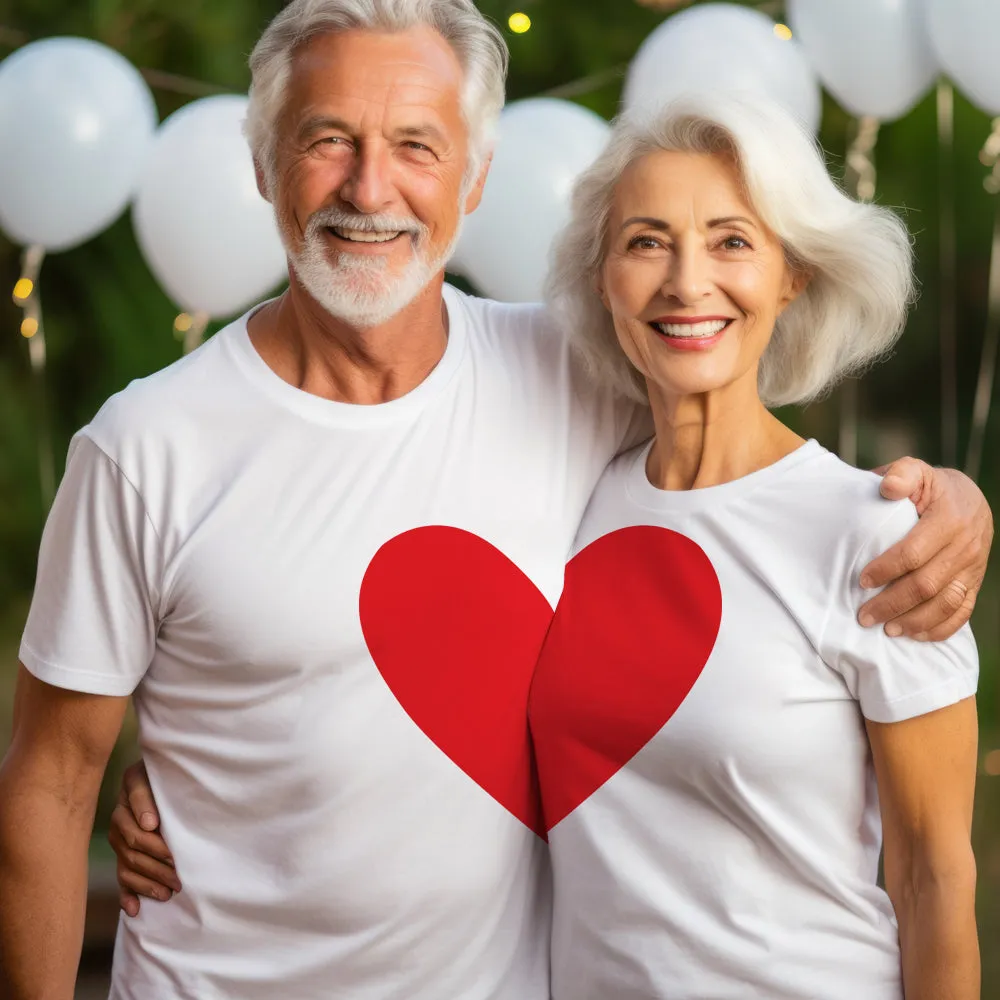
(108, 321)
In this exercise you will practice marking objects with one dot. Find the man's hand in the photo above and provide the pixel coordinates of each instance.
(935, 573)
(145, 865)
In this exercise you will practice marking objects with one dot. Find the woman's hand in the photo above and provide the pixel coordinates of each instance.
(934, 574)
(145, 865)
(926, 771)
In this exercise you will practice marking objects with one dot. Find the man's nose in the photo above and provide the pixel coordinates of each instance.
(689, 278)
(368, 187)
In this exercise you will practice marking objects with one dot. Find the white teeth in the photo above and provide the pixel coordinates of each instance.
(707, 329)
(362, 236)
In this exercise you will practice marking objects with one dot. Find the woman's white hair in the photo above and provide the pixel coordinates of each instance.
(477, 42)
(858, 256)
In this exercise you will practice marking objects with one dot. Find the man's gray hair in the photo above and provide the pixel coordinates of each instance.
(477, 42)
(859, 256)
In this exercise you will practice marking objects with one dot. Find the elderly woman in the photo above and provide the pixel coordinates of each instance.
(719, 744)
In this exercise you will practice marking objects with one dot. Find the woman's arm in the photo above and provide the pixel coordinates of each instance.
(145, 865)
(926, 771)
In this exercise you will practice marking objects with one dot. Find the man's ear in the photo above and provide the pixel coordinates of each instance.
(262, 186)
(475, 195)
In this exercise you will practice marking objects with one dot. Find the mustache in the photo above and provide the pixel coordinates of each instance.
(376, 222)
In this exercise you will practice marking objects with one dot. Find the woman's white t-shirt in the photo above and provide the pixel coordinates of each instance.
(698, 719)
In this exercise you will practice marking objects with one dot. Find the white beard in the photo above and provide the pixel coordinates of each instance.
(359, 289)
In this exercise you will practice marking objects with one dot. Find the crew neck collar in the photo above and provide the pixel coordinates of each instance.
(340, 414)
(644, 493)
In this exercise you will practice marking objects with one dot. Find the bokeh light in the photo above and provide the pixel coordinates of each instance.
(519, 23)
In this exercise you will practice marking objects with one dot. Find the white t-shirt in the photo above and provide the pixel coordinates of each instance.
(230, 548)
(698, 717)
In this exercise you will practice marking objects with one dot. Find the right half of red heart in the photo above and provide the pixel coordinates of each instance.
(635, 626)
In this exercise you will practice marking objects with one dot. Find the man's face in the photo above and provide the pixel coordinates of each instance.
(371, 157)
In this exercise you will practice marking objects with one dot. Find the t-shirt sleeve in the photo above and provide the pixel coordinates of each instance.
(92, 623)
(894, 679)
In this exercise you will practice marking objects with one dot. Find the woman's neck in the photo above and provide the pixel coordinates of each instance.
(715, 437)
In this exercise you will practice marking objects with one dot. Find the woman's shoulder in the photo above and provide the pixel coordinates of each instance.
(849, 506)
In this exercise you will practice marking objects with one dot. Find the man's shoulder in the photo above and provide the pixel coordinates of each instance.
(171, 402)
(490, 316)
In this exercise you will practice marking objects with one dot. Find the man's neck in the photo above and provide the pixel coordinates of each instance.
(312, 350)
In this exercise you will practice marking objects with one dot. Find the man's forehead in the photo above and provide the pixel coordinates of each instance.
(411, 68)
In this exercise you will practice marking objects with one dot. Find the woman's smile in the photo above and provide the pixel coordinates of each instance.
(691, 333)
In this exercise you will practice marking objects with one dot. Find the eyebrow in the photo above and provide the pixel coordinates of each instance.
(421, 132)
(320, 123)
(645, 220)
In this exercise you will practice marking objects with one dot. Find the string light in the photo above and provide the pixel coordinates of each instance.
(783, 32)
(23, 289)
(183, 323)
(992, 764)
(29, 327)
(519, 23)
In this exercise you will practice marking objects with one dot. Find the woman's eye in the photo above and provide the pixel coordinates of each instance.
(419, 147)
(735, 243)
(643, 243)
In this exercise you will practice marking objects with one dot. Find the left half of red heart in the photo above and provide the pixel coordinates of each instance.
(455, 629)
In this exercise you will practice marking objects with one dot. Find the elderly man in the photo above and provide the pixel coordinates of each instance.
(321, 552)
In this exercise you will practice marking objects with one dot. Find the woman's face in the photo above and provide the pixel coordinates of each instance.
(693, 279)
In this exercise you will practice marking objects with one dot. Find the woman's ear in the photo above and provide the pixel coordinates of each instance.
(796, 282)
(598, 282)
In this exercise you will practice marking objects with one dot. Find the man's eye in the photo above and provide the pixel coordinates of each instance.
(418, 146)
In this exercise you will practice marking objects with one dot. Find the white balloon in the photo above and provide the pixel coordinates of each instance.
(722, 47)
(965, 35)
(872, 55)
(76, 123)
(543, 144)
(205, 231)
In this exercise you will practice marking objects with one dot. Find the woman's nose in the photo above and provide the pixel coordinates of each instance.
(689, 277)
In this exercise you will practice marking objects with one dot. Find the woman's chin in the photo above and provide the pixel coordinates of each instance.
(671, 382)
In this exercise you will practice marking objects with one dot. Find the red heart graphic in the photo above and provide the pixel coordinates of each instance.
(456, 630)
(635, 626)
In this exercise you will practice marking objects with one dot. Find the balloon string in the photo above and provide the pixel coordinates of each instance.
(195, 333)
(990, 157)
(33, 330)
(948, 272)
(861, 177)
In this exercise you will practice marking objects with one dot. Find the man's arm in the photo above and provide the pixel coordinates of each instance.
(926, 770)
(49, 782)
(934, 574)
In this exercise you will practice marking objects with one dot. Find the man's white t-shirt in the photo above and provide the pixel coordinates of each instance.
(329, 615)
(698, 717)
